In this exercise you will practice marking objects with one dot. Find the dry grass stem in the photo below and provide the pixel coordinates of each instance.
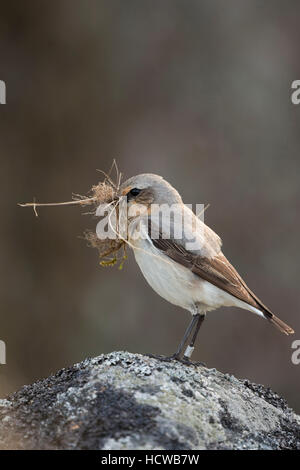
(105, 192)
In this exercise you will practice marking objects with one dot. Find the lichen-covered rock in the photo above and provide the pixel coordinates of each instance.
(130, 401)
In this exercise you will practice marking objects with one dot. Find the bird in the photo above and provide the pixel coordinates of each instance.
(183, 261)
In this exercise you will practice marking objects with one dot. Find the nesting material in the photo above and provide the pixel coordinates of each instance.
(106, 248)
(104, 193)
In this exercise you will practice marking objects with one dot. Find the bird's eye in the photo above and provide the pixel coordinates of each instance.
(134, 192)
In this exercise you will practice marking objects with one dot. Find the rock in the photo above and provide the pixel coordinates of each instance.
(129, 401)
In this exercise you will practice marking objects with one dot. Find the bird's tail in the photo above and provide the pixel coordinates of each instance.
(266, 312)
(280, 325)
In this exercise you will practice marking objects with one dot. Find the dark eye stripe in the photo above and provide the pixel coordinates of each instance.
(134, 192)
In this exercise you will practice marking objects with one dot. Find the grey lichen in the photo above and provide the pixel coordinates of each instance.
(129, 401)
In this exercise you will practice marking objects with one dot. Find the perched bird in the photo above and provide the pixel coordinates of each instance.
(181, 258)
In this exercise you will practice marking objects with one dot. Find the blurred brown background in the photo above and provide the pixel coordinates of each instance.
(198, 91)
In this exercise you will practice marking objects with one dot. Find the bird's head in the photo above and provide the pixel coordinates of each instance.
(147, 189)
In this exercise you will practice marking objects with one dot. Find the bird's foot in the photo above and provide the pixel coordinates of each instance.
(175, 357)
(186, 360)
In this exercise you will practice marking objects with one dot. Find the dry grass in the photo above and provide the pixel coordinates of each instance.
(105, 192)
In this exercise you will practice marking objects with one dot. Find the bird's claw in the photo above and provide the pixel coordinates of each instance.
(185, 360)
(175, 357)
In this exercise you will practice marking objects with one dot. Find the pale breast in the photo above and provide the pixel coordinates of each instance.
(170, 280)
(175, 283)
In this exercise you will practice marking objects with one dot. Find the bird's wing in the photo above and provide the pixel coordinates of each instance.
(215, 269)
(180, 223)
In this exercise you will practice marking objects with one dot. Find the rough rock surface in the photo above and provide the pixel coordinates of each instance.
(130, 401)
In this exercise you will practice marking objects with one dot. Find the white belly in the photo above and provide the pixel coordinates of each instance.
(177, 284)
(170, 280)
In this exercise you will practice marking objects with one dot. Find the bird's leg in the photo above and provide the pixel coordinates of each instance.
(189, 350)
(188, 331)
(186, 336)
